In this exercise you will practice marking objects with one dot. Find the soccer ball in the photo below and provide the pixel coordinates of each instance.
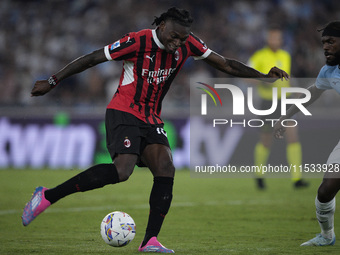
(118, 229)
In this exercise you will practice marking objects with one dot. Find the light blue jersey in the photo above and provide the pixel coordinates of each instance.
(329, 78)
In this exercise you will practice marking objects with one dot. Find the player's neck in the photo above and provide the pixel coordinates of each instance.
(157, 33)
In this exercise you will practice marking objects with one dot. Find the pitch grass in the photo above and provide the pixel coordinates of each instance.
(208, 216)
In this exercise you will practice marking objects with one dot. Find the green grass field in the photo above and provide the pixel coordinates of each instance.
(208, 216)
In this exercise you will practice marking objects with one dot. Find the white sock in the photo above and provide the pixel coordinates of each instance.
(325, 216)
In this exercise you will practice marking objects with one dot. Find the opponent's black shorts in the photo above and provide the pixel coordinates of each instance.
(126, 134)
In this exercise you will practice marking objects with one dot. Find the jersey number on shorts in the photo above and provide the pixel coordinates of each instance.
(161, 131)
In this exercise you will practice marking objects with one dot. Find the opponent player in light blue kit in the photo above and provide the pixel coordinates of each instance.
(328, 78)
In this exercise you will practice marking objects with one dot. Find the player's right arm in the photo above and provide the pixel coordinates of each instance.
(315, 94)
(80, 64)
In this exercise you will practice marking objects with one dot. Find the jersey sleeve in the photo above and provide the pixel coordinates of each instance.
(123, 49)
(198, 48)
(321, 81)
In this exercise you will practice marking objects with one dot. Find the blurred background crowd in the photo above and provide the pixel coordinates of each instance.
(39, 37)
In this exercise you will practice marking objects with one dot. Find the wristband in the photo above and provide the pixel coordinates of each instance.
(53, 81)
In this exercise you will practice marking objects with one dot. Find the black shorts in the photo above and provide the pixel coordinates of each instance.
(126, 134)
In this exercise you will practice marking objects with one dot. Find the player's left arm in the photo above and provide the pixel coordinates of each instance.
(238, 69)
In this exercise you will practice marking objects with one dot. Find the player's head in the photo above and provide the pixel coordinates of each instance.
(173, 28)
(274, 37)
(330, 39)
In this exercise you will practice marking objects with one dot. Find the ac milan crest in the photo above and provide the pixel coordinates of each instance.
(127, 142)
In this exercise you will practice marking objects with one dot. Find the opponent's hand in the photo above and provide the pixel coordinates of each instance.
(279, 130)
(40, 88)
(277, 73)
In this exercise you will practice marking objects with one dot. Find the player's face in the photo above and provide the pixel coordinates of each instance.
(172, 35)
(331, 48)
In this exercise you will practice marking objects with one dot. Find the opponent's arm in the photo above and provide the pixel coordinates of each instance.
(236, 68)
(278, 128)
(78, 65)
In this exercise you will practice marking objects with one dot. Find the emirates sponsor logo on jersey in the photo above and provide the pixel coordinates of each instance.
(158, 76)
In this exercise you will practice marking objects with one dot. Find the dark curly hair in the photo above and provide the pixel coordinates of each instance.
(180, 16)
(333, 25)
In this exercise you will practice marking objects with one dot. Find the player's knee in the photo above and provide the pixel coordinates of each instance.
(167, 168)
(124, 172)
(124, 175)
(125, 166)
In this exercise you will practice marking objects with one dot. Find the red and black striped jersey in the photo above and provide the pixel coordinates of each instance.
(148, 71)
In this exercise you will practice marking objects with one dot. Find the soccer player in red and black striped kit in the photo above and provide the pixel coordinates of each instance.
(135, 135)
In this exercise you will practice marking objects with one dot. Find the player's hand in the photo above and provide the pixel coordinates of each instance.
(277, 73)
(279, 130)
(40, 88)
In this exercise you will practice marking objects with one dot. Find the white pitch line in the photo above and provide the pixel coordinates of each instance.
(142, 206)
